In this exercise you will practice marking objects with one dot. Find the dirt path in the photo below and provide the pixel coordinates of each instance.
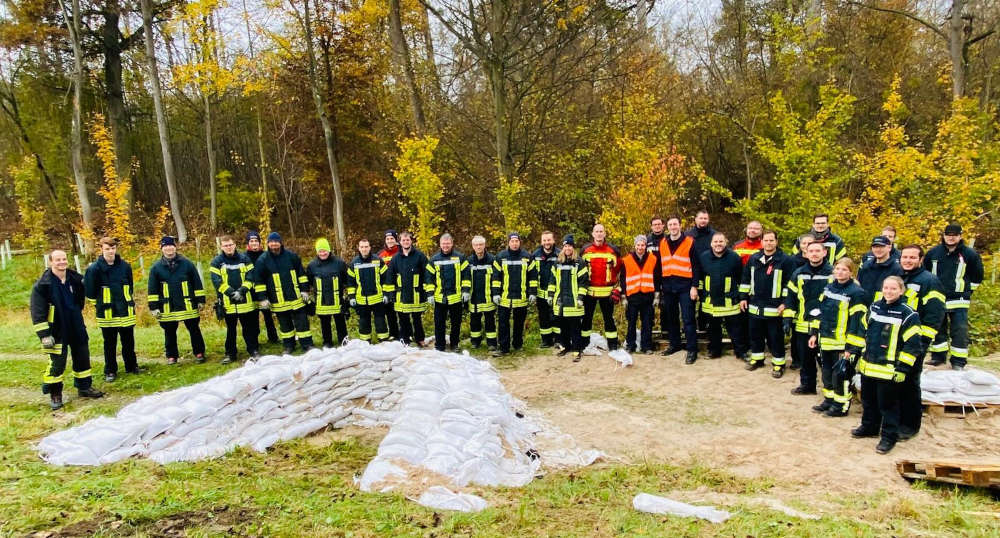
(717, 413)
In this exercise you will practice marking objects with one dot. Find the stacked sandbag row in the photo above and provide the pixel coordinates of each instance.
(960, 387)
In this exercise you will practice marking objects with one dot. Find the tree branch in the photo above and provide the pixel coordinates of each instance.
(912, 16)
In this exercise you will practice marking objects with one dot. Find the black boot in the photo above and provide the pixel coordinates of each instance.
(861, 432)
(671, 350)
(90, 392)
(691, 357)
(753, 365)
(56, 399)
(802, 389)
(777, 372)
(884, 446)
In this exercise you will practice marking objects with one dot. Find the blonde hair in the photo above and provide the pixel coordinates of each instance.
(846, 262)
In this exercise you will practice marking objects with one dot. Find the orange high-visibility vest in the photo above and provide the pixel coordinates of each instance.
(639, 279)
(677, 263)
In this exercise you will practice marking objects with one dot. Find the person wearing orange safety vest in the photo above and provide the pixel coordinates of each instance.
(680, 273)
(640, 281)
(751, 244)
(605, 263)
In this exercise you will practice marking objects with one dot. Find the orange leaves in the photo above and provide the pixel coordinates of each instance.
(114, 189)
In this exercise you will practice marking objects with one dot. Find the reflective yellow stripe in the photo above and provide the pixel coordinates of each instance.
(911, 332)
(41, 326)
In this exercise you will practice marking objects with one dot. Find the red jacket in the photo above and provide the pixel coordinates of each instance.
(747, 248)
(387, 253)
(605, 263)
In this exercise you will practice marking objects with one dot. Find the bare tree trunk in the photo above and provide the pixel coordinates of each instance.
(161, 121)
(76, 138)
(956, 48)
(263, 169)
(505, 162)
(429, 47)
(324, 119)
(402, 53)
(210, 148)
(111, 46)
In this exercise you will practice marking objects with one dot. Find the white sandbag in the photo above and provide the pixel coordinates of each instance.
(442, 498)
(654, 504)
(599, 341)
(621, 356)
(592, 351)
(377, 471)
(188, 426)
(979, 377)
(301, 430)
(120, 454)
(162, 442)
(932, 382)
(74, 455)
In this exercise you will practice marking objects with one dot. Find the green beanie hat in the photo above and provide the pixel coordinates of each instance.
(322, 244)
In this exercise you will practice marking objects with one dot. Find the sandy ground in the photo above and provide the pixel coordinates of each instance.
(716, 413)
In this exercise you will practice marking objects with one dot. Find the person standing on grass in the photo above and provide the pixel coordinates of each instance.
(284, 288)
(232, 275)
(328, 274)
(175, 295)
(568, 288)
(366, 275)
(57, 317)
(640, 281)
(109, 287)
(482, 311)
(386, 254)
(515, 283)
(447, 285)
(545, 257)
(405, 285)
(254, 249)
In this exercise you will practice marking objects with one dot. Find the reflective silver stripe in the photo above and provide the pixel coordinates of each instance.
(446, 262)
(364, 266)
(886, 319)
(562, 267)
(513, 262)
(836, 296)
(480, 267)
(914, 287)
(957, 303)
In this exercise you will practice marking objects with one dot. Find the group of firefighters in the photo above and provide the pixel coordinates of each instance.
(880, 321)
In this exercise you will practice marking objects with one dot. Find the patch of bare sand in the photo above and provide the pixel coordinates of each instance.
(717, 413)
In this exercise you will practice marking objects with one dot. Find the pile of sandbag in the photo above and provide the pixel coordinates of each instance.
(450, 418)
(960, 387)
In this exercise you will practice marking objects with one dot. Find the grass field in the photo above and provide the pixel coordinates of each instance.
(305, 487)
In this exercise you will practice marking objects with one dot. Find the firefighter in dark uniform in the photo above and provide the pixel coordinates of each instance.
(889, 233)
(837, 328)
(640, 281)
(366, 275)
(656, 234)
(925, 295)
(57, 317)
(960, 271)
(482, 311)
(254, 249)
(386, 254)
(175, 295)
(405, 289)
(545, 257)
(821, 232)
(804, 288)
(568, 287)
(702, 234)
(722, 271)
(447, 285)
(283, 284)
(109, 287)
(892, 343)
(328, 276)
(763, 289)
(515, 285)
(874, 271)
(232, 276)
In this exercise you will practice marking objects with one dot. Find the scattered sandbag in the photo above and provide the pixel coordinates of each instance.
(654, 504)
(622, 357)
(442, 498)
(959, 387)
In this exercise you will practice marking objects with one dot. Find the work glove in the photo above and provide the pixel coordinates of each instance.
(532, 299)
(354, 302)
(786, 325)
(264, 305)
(305, 297)
(496, 300)
(656, 298)
(899, 377)
(466, 297)
(430, 300)
(48, 342)
(201, 306)
(155, 313)
(236, 297)
(616, 296)
(385, 299)
(624, 301)
(579, 302)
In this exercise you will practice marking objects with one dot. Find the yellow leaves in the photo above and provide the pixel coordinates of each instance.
(115, 189)
(26, 180)
(420, 187)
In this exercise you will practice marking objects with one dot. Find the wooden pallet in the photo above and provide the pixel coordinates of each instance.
(958, 410)
(983, 475)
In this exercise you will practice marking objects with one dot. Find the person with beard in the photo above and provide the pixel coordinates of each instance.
(108, 283)
(175, 294)
(482, 311)
(960, 270)
(406, 287)
(804, 288)
(386, 254)
(328, 276)
(765, 277)
(366, 276)
(702, 234)
(722, 271)
(821, 232)
(751, 243)
(877, 269)
(447, 285)
(232, 276)
(254, 249)
(925, 295)
(284, 286)
(545, 257)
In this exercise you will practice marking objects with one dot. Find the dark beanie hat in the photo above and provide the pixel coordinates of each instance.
(568, 240)
(393, 233)
(167, 240)
(512, 235)
(253, 234)
(274, 236)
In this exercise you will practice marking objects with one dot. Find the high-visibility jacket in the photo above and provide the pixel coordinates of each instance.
(873, 274)
(960, 272)
(839, 319)
(765, 282)
(328, 278)
(678, 262)
(281, 278)
(48, 317)
(835, 249)
(175, 289)
(515, 277)
(639, 275)
(447, 277)
(405, 281)
(605, 262)
(747, 247)
(892, 341)
(481, 279)
(231, 274)
(925, 295)
(386, 254)
(365, 279)
(721, 283)
(568, 286)
(545, 261)
(109, 288)
(804, 288)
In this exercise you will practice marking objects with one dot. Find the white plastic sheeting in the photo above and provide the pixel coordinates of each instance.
(654, 504)
(960, 387)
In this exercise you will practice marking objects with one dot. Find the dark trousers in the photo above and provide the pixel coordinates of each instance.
(249, 322)
(546, 323)
(809, 357)
(676, 300)
(570, 334)
(170, 337)
(52, 380)
(411, 327)
(590, 304)
(880, 403)
(476, 322)
(504, 329)
(373, 313)
(443, 314)
(954, 327)
(111, 335)
(640, 307)
(392, 321)
(911, 407)
(734, 326)
(292, 325)
(272, 330)
(767, 333)
(325, 326)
